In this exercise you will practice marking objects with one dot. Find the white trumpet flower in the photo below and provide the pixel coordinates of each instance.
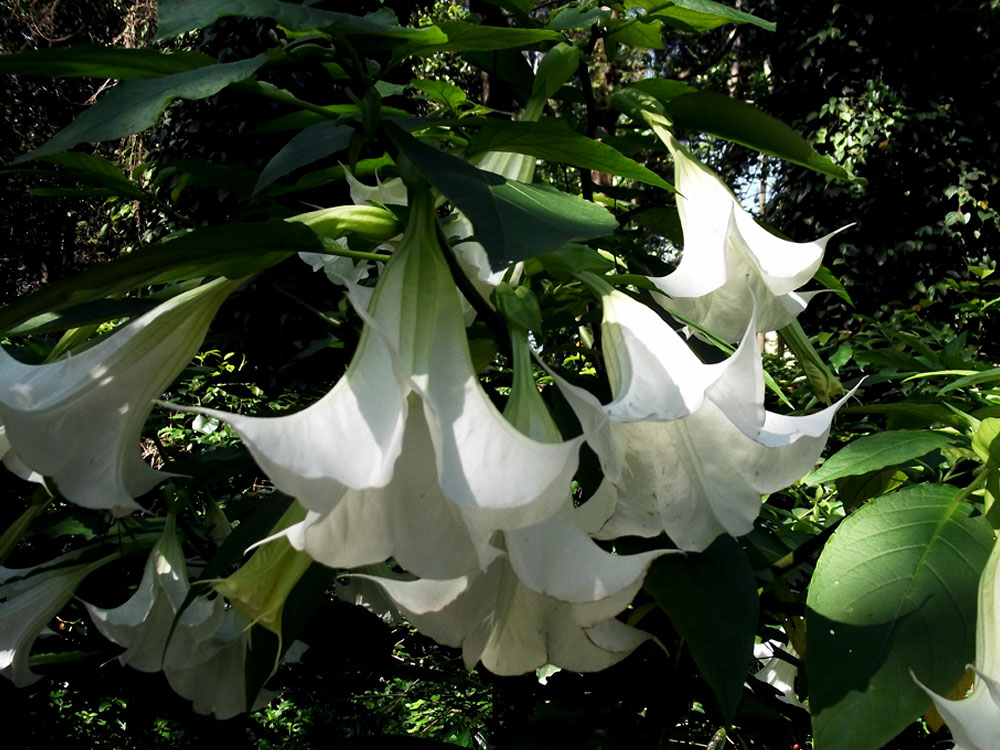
(693, 457)
(730, 262)
(144, 622)
(407, 455)
(511, 629)
(974, 721)
(28, 607)
(78, 420)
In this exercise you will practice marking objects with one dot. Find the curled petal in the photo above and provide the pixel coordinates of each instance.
(511, 629)
(29, 607)
(144, 622)
(728, 256)
(78, 420)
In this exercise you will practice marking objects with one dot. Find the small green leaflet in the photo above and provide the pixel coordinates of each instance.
(134, 105)
(557, 143)
(877, 451)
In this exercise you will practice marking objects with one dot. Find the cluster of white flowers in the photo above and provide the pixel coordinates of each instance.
(407, 458)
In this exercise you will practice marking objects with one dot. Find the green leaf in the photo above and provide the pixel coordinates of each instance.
(571, 259)
(985, 442)
(711, 598)
(557, 67)
(133, 106)
(448, 94)
(742, 123)
(513, 221)
(825, 277)
(574, 18)
(92, 61)
(643, 34)
(468, 37)
(557, 143)
(697, 15)
(178, 16)
(99, 171)
(895, 589)
(877, 451)
(312, 144)
(986, 376)
(660, 220)
(233, 250)
(662, 88)
(855, 490)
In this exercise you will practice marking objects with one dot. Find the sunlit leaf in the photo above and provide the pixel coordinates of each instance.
(894, 590)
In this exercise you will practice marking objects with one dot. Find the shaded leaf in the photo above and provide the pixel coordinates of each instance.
(134, 105)
(233, 250)
(877, 451)
(312, 144)
(742, 123)
(512, 220)
(557, 143)
(697, 15)
(93, 61)
(895, 589)
(711, 598)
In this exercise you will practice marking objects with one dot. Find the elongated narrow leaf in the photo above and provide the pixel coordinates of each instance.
(178, 16)
(133, 106)
(93, 61)
(312, 144)
(557, 143)
(711, 598)
(99, 171)
(233, 250)
(894, 590)
(469, 37)
(697, 15)
(878, 451)
(742, 123)
(512, 220)
(986, 376)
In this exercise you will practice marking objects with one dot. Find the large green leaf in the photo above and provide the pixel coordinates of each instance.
(134, 105)
(894, 590)
(513, 220)
(877, 451)
(233, 250)
(312, 144)
(469, 37)
(742, 123)
(552, 141)
(711, 598)
(178, 16)
(697, 15)
(92, 61)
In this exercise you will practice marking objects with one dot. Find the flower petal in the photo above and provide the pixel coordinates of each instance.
(728, 256)
(30, 606)
(78, 420)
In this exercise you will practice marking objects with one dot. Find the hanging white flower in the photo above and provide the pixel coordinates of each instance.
(78, 420)
(730, 261)
(407, 455)
(692, 457)
(974, 721)
(144, 622)
(28, 606)
(497, 620)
